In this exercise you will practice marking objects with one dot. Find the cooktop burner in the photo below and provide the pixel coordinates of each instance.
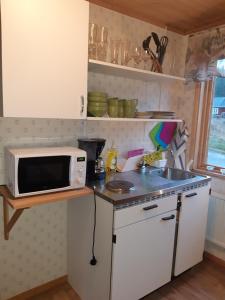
(120, 186)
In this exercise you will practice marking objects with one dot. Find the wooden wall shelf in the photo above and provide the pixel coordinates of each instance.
(19, 204)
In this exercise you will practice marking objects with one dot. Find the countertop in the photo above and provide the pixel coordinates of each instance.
(148, 186)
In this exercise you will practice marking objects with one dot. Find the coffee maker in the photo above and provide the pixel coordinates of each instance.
(94, 148)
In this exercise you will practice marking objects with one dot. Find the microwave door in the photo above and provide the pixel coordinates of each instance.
(36, 174)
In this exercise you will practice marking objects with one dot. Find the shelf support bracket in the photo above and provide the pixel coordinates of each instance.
(9, 222)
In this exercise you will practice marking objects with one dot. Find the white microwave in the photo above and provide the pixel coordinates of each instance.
(31, 171)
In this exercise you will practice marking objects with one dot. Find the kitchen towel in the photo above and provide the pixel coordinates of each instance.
(163, 146)
(152, 134)
(179, 146)
(168, 131)
(162, 134)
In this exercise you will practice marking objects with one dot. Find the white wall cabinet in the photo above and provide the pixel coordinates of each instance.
(44, 58)
(192, 229)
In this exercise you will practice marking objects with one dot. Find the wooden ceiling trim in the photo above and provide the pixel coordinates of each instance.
(135, 15)
(205, 27)
(182, 17)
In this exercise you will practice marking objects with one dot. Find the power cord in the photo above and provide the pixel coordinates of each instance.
(93, 260)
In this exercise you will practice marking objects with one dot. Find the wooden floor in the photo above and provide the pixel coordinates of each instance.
(64, 292)
(204, 282)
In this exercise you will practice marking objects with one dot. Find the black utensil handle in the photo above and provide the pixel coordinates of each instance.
(168, 218)
(191, 195)
(150, 207)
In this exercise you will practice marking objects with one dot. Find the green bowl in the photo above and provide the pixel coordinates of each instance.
(97, 94)
(97, 104)
(96, 99)
(96, 112)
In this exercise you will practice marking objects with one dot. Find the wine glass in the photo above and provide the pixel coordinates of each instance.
(115, 47)
(136, 55)
(125, 52)
(146, 58)
(102, 43)
(92, 41)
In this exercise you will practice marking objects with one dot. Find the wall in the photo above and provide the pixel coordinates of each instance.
(36, 251)
(122, 28)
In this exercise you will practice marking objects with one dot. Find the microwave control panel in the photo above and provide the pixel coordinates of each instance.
(79, 174)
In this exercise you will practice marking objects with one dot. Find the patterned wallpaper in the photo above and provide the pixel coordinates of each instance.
(36, 251)
(123, 27)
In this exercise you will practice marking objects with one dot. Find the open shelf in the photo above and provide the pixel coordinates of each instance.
(128, 72)
(132, 119)
(29, 201)
(19, 204)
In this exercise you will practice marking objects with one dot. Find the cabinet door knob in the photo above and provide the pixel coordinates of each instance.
(168, 218)
(150, 207)
(191, 195)
(82, 105)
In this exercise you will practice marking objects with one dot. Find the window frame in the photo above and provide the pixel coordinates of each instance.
(204, 128)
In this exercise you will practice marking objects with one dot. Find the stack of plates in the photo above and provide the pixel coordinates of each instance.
(143, 114)
(163, 115)
(97, 104)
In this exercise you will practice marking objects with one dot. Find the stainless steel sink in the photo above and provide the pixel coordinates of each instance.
(173, 174)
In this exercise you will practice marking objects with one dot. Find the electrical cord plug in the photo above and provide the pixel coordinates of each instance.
(93, 261)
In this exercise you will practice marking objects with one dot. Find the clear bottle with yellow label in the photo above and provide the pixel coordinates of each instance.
(111, 160)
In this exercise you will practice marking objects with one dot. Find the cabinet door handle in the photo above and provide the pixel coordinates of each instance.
(168, 218)
(150, 207)
(82, 105)
(191, 195)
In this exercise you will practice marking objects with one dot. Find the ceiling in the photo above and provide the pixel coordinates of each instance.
(182, 16)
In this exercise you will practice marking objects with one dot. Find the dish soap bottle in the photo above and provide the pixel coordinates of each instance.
(111, 159)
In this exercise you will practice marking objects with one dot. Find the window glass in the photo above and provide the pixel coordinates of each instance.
(216, 143)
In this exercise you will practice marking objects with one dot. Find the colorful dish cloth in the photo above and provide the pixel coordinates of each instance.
(168, 131)
(162, 134)
(152, 134)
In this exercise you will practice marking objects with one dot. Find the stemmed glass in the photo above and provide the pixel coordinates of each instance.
(102, 43)
(125, 52)
(146, 58)
(92, 43)
(115, 49)
(136, 54)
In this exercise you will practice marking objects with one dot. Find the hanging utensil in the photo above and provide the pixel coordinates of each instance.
(162, 49)
(155, 63)
(157, 42)
(146, 43)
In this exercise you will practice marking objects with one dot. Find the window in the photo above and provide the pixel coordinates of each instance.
(212, 135)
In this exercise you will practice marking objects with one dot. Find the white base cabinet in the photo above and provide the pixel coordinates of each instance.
(44, 58)
(134, 246)
(192, 229)
(142, 257)
(139, 262)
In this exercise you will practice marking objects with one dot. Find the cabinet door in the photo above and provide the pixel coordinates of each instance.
(191, 229)
(44, 58)
(142, 257)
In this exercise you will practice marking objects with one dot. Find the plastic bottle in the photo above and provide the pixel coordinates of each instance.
(111, 159)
